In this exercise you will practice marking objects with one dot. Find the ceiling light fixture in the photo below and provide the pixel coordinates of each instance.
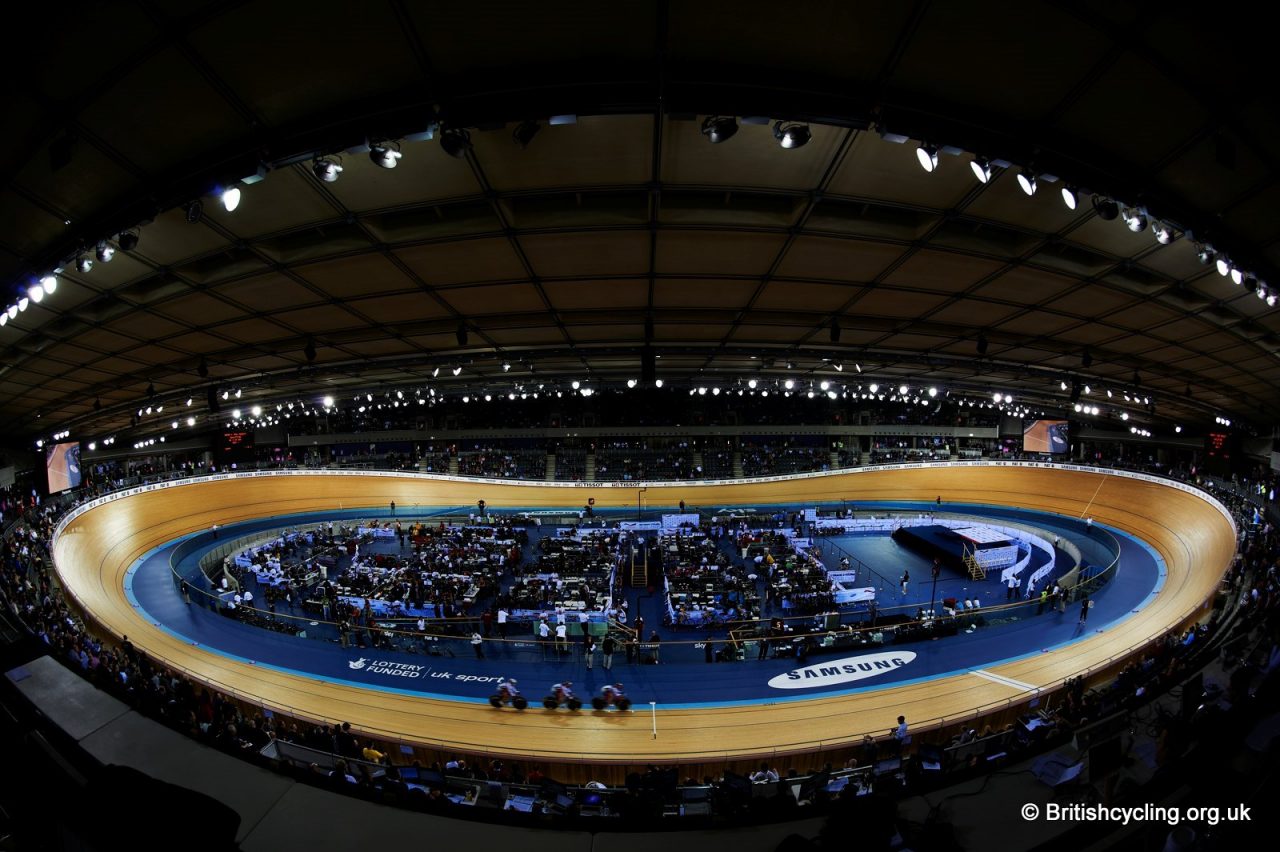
(104, 252)
(230, 198)
(49, 284)
(327, 170)
(84, 264)
(385, 155)
(1163, 233)
(792, 135)
(1135, 220)
(455, 142)
(524, 133)
(1105, 208)
(1027, 181)
(719, 128)
(927, 156)
(981, 169)
(1069, 198)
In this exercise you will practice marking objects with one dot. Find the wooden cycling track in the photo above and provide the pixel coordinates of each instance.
(1196, 542)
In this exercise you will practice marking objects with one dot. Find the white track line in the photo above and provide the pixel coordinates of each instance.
(1095, 495)
(1016, 684)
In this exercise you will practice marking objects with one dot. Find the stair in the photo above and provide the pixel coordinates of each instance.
(833, 461)
(639, 568)
(976, 571)
(550, 474)
(737, 464)
(591, 468)
(697, 462)
(453, 465)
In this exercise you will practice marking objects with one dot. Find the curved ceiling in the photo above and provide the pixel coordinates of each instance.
(627, 225)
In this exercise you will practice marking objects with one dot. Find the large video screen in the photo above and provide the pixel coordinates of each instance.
(62, 466)
(1044, 436)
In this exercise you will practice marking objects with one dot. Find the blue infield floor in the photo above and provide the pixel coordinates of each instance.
(683, 678)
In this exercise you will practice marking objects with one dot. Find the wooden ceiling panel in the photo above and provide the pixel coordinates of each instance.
(837, 260)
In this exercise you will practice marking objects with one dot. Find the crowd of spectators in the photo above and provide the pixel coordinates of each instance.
(638, 461)
(571, 464)
(777, 457)
(503, 462)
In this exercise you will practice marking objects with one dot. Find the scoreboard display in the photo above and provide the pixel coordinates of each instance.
(1217, 451)
(236, 445)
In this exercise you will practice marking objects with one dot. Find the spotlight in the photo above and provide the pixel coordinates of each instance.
(327, 401)
(1027, 181)
(524, 133)
(902, 390)
(188, 402)
(326, 170)
(657, 383)
(230, 198)
(237, 393)
(1177, 429)
(84, 264)
(457, 370)
(718, 128)
(981, 169)
(49, 283)
(1164, 234)
(631, 383)
(1205, 255)
(792, 135)
(576, 384)
(506, 366)
(1224, 266)
(191, 421)
(455, 142)
(874, 387)
(751, 383)
(35, 294)
(128, 241)
(825, 385)
(23, 302)
(1236, 275)
(235, 414)
(193, 211)
(839, 367)
(1105, 208)
(104, 252)
(1069, 198)
(1135, 220)
(385, 155)
(927, 156)
(1062, 385)
(997, 396)
(933, 392)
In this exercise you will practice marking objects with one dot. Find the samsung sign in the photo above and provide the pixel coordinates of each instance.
(842, 671)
